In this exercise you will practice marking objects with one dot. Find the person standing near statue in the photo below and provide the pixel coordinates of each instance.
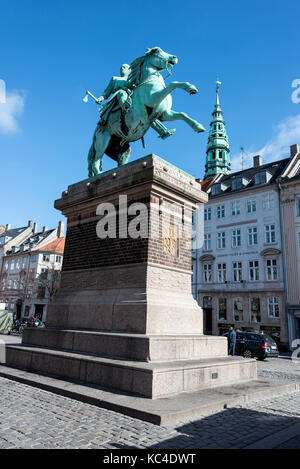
(231, 341)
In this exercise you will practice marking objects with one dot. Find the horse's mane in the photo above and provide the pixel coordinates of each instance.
(136, 70)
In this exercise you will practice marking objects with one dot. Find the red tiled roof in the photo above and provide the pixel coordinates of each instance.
(58, 245)
(206, 184)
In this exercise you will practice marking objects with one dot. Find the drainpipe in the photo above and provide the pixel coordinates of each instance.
(26, 284)
(285, 281)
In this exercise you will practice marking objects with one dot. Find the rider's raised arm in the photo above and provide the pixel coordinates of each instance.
(109, 90)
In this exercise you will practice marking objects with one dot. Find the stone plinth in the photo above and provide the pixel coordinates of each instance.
(125, 317)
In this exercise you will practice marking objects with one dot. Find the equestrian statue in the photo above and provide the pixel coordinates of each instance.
(135, 101)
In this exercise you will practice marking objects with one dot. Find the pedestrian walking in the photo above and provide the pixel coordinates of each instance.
(231, 341)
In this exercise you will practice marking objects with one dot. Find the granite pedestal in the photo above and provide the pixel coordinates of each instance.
(124, 317)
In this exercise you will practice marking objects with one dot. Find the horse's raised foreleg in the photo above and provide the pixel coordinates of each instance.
(158, 96)
(174, 116)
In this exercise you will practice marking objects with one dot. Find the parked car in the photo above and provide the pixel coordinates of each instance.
(251, 344)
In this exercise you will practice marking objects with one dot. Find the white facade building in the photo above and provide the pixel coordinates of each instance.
(238, 266)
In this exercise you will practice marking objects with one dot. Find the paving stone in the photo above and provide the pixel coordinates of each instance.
(34, 418)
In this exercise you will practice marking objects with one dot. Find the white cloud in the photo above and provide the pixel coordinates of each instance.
(287, 132)
(10, 111)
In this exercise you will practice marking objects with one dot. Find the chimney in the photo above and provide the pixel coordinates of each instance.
(257, 161)
(35, 227)
(60, 229)
(294, 149)
(45, 228)
(29, 223)
(8, 227)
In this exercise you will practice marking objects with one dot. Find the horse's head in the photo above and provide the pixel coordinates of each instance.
(161, 60)
(154, 58)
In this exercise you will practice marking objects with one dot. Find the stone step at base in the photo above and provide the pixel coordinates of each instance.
(152, 379)
(129, 346)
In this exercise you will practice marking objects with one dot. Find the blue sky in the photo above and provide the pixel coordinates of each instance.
(52, 51)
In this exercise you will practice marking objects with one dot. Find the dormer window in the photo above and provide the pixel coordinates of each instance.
(217, 189)
(262, 177)
(238, 183)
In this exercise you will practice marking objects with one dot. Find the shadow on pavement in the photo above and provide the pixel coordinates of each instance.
(232, 428)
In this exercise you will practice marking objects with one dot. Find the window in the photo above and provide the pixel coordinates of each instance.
(252, 236)
(34, 258)
(41, 291)
(221, 240)
(222, 273)
(268, 201)
(298, 206)
(44, 273)
(207, 302)
(236, 238)
(46, 257)
(237, 271)
(207, 214)
(255, 309)
(251, 206)
(237, 184)
(221, 211)
(273, 307)
(207, 242)
(272, 271)
(270, 234)
(207, 273)
(262, 177)
(238, 309)
(253, 271)
(58, 259)
(222, 309)
(235, 208)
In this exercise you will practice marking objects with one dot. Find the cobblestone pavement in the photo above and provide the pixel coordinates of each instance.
(33, 418)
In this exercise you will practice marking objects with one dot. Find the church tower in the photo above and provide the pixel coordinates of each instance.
(217, 152)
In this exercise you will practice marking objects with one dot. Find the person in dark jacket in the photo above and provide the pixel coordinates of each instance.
(231, 341)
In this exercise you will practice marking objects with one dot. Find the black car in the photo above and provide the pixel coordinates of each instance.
(251, 344)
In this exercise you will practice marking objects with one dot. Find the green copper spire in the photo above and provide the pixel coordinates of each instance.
(217, 152)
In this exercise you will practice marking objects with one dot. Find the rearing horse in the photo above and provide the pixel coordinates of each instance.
(151, 100)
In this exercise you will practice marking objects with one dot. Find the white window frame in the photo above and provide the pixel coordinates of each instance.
(221, 240)
(255, 269)
(251, 205)
(221, 211)
(252, 236)
(271, 270)
(273, 301)
(268, 201)
(207, 242)
(270, 233)
(233, 309)
(207, 214)
(222, 272)
(207, 273)
(235, 208)
(235, 237)
(225, 318)
(250, 309)
(297, 206)
(237, 271)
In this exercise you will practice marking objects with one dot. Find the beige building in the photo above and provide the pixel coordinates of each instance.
(30, 273)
